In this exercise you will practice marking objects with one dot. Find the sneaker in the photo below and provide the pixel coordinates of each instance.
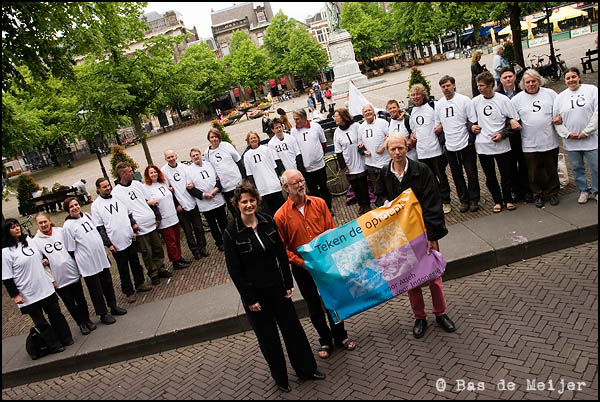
(130, 298)
(144, 287)
(164, 274)
(116, 310)
(464, 207)
(184, 261)
(554, 200)
(107, 319)
(447, 208)
(179, 265)
(583, 197)
(90, 325)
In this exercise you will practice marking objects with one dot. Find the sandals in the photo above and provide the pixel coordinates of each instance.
(326, 350)
(497, 208)
(510, 206)
(349, 344)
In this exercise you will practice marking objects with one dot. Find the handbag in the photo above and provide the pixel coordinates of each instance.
(563, 176)
(35, 345)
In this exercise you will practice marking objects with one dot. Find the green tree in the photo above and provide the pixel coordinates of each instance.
(26, 186)
(367, 24)
(457, 16)
(248, 65)
(199, 76)
(417, 77)
(416, 23)
(277, 42)
(306, 57)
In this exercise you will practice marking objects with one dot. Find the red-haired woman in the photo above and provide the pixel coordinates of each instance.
(158, 193)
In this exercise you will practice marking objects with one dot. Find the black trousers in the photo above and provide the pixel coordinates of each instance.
(316, 310)
(101, 291)
(277, 311)
(465, 159)
(317, 185)
(228, 195)
(543, 172)
(217, 221)
(520, 180)
(360, 185)
(127, 259)
(272, 202)
(505, 166)
(57, 332)
(191, 222)
(74, 300)
(438, 164)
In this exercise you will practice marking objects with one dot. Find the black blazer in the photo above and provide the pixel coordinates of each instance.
(250, 266)
(476, 69)
(425, 186)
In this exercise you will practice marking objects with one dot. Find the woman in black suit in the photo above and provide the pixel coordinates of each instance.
(258, 265)
(476, 69)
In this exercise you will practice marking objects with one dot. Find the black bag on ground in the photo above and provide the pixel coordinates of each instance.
(35, 345)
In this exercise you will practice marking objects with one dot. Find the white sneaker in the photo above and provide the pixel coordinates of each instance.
(583, 197)
(447, 208)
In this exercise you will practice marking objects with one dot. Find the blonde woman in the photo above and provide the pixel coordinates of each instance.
(476, 69)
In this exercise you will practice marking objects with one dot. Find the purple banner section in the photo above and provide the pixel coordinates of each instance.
(409, 266)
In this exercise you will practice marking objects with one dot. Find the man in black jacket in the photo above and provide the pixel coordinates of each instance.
(396, 177)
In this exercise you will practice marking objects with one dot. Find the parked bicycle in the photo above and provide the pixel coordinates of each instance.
(554, 70)
(337, 182)
(27, 226)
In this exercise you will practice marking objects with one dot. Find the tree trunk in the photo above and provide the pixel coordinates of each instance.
(515, 26)
(137, 125)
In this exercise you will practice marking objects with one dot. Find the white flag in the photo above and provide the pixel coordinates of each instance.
(356, 101)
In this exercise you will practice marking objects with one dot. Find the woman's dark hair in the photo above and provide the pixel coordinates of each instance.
(244, 188)
(7, 239)
(346, 117)
(573, 70)
(66, 203)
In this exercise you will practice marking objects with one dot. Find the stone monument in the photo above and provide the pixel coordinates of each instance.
(345, 67)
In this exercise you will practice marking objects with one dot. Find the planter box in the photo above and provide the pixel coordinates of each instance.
(420, 62)
(428, 59)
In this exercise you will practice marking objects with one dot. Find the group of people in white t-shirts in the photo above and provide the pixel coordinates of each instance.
(132, 217)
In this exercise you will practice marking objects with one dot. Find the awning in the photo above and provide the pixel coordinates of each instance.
(565, 13)
(507, 30)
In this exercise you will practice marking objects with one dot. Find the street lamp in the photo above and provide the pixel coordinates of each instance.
(82, 113)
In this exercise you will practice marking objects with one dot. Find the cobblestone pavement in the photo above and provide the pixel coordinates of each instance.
(531, 324)
(212, 271)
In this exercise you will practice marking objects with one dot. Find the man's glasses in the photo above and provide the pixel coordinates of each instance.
(297, 182)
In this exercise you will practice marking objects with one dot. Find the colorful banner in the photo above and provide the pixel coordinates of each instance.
(373, 258)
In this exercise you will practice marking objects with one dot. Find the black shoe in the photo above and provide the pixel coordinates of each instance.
(317, 375)
(107, 319)
(155, 280)
(91, 326)
(84, 329)
(203, 253)
(539, 202)
(464, 207)
(446, 323)
(554, 200)
(179, 265)
(419, 328)
(164, 274)
(68, 342)
(58, 349)
(184, 261)
(284, 388)
(474, 207)
(220, 247)
(116, 310)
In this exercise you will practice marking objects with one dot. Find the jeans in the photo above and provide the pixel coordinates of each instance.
(578, 168)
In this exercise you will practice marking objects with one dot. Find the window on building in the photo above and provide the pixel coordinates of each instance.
(261, 17)
(259, 37)
(225, 48)
(320, 36)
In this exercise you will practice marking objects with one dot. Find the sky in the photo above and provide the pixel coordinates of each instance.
(198, 13)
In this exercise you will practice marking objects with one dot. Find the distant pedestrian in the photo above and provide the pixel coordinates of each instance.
(258, 265)
(63, 271)
(499, 63)
(266, 124)
(219, 113)
(577, 107)
(287, 126)
(476, 69)
(30, 288)
(311, 101)
(84, 243)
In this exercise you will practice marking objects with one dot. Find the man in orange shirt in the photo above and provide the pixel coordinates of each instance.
(299, 220)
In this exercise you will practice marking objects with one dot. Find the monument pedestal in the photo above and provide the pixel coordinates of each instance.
(345, 67)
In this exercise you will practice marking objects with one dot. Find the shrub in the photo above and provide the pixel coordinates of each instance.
(224, 135)
(119, 155)
(417, 77)
(26, 186)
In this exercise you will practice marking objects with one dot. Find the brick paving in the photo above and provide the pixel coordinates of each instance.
(535, 320)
